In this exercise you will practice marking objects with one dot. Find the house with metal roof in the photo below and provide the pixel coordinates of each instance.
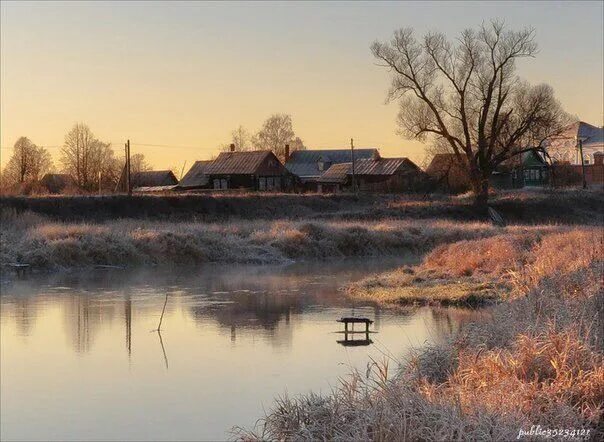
(197, 177)
(579, 137)
(252, 170)
(309, 165)
(148, 181)
(373, 175)
(56, 182)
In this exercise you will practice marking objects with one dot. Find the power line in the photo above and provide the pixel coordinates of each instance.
(171, 146)
(132, 144)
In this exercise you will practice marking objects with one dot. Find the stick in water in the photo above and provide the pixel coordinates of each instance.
(161, 318)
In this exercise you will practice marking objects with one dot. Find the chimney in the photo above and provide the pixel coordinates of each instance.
(286, 153)
(599, 158)
(232, 147)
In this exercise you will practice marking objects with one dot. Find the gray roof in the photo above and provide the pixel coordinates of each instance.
(244, 163)
(149, 178)
(196, 176)
(381, 166)
(304, 163)
(591, 135)
(153, 178)
(336, 173)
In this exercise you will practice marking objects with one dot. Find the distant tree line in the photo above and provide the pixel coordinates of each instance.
(88, 161)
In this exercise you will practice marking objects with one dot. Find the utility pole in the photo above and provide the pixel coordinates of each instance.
(354, 182)
(128, 182)
(582, 163)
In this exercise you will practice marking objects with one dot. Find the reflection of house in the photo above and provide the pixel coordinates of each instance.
(253, 170)
(309, 165)
(373, 174)
(56, 182)
(566, 147)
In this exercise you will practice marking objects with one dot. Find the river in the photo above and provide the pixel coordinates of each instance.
(80, 359)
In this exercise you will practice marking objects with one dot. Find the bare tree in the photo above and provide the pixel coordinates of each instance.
(467, 95)
(138, 163)
(241, 138)
(276, 132)
(27, 164)
(84, 157)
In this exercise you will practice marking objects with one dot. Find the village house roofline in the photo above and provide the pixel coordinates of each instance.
(196, 176)
(338, 173)
(241, 163)
(305, 163)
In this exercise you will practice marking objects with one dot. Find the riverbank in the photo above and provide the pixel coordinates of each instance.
(44, 244)
(54, 233)
(471, 273)
(538, 360)
(568, 206)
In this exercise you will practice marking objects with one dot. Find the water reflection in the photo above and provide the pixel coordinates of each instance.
(79, 359)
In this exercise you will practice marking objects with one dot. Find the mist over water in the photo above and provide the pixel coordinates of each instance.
(80, 359)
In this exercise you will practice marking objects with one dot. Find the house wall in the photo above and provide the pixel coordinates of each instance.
(572, 175)
(399, 182)
(250, 182)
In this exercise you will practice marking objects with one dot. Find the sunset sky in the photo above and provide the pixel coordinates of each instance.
(186, 74)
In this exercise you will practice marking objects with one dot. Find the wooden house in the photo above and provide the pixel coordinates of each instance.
(309, 165)
(196, 177)
(446, 173)
(56, 182)
(148, 181)
(374, 175)
(529, 169)
(252, 170)
(576, 138)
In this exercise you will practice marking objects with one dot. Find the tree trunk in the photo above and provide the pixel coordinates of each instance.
(480, 186)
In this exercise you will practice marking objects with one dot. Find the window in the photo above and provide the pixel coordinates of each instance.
(262, 183)
(587, 159)
(278, 183)
(321, 165)
(526, 174)
(216, 184)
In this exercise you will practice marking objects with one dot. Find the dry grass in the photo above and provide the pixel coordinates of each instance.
(29, 238)
(470, 272)
(537, 360)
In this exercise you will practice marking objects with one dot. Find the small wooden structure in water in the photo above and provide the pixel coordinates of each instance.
(353, 320)
(20, 268)
(349, 340)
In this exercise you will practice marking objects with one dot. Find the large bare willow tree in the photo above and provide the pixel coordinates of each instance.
(465, 95)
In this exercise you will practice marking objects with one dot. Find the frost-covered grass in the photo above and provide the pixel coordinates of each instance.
(32, 239)
(537, 360)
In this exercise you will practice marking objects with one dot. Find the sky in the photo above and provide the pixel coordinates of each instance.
(184, 74)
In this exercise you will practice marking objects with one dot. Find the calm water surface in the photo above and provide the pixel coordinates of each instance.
(79, 359)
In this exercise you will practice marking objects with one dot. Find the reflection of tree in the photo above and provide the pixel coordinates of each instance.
(254, 311)
(83, 319)
(128, 324)
(26, 312)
